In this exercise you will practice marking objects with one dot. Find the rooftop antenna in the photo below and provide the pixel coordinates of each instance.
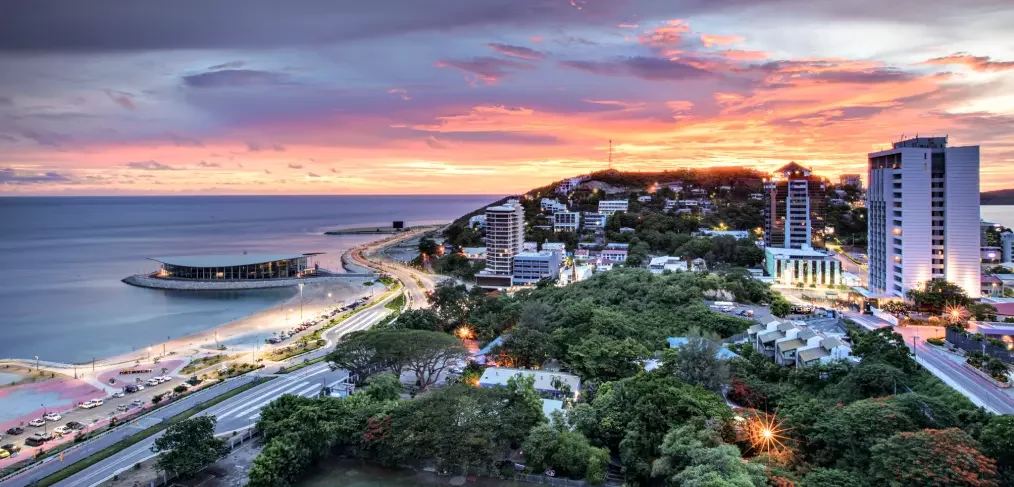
(610, 154)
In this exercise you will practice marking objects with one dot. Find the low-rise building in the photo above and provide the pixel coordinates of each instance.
(670, 204)
(477, 221)
(554, 384)
(552, 206)
(829, 348)
(609, 207)
(736, 234)
(582, 255)
(658, 265)
(614, 255)
(602, 265)
(559, 248)
(532, 267)
(568, 185)
(595, 220)
(757, 196)
(805, 265)
(699, 265)
(529, 246)
(566, 221)
(626, 230)
(617, 245)
(644, 199)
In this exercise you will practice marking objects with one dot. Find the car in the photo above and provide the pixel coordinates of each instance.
(11, 447)
(98, 402)
(62, 430)
(119, 394)
(17, 430)
(137, 402)
(74, 425)
(87, 405)
(37, 439)
(52, 417)
(139, 387)
(4, 454)
(37, 422)
(130, 389)
(152, 382)
(123, 407)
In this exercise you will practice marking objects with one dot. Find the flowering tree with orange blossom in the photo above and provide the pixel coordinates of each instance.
(931, 458)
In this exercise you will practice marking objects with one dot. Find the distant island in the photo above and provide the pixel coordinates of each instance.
(997, 197)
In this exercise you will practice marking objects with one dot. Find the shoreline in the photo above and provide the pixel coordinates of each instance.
(241, 335)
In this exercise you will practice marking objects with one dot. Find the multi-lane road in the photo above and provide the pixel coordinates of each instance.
(417, 283)
(235, 413)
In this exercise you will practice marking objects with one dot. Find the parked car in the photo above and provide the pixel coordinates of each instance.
(4, 454)
(37, 422)
(138, 402)
(122, 407)
(98, 402)
(88, 405)
(52, 417)
(37, 439)
(11, 447)
(139, 387)
(119, 394)
(17, 430)
(130, 389)
(75, 425)
(62, 430)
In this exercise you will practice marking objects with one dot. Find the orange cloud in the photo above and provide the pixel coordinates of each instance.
(668, 35)
(976, 63)
(711, 40)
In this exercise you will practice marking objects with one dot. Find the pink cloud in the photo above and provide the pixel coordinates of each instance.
(712, 40)
(975, 63)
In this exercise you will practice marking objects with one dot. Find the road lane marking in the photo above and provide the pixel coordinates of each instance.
(273, 393)
(261, 403)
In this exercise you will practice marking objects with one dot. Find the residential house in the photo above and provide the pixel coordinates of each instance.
(614, 255)
(722, 353)
(829, 348)
(550, 383)
(644, 199)
(658, 265)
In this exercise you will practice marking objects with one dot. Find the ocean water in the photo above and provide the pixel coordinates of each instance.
(62, 259)
(1002, 214)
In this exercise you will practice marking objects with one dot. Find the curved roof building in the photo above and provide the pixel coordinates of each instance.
(233, 267)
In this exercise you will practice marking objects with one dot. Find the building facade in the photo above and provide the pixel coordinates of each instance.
(1007, 246)
(505, 232)
(532, 267)
(794, 208)
(566, 221)
(923, 223)
(609, 207)
(790, 267)
(594, 220)
(851, 180)
(232, 267)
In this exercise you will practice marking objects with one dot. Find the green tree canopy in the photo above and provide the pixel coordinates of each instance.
(188, 446)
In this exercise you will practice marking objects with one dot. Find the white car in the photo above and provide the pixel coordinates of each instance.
(122, 407)
(62, 430)
(88, 405)
(119, 394)
(37, 422)
(152, 382)
(52, 417)
(140, 387)
(98, 402)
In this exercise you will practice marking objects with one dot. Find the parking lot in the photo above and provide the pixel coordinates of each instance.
(89, 418)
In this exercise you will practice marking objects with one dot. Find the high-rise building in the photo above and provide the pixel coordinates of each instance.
(923, 203)
(794, 208)
(505, 233)
(851, 180)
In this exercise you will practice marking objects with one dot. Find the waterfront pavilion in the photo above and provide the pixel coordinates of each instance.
(233, 267)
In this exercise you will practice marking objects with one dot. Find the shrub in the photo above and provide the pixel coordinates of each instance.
(935, 341)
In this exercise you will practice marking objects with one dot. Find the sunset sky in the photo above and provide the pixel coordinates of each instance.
(483, 96)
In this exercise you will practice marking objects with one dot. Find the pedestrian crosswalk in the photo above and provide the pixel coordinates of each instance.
(358, 322)
(247, 406)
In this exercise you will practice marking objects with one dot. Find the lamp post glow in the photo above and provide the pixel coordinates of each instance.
(300, 302)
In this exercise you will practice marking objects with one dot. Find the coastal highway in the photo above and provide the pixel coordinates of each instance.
(365, 256)
(234, 413)
(949, 369)
(975, 387)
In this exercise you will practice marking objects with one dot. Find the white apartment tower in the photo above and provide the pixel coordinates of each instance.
(505, 233)
(923, 203)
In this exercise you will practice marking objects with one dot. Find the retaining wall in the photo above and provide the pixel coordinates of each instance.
(144, 280)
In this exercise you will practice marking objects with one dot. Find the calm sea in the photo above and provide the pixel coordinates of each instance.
(61, 261)
(1002, 214)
